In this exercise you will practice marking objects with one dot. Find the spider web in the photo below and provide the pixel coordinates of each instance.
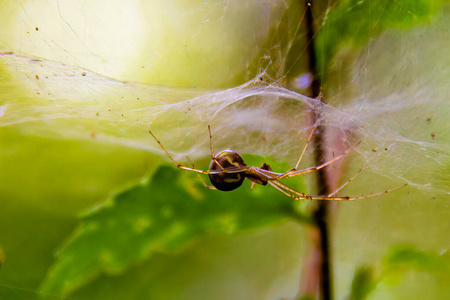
(258, 117)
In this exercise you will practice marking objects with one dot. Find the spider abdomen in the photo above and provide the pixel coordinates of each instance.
(229, 160)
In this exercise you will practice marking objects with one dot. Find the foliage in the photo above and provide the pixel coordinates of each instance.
(352, 23)
(398, 262)
(158, 217)
(363, 283)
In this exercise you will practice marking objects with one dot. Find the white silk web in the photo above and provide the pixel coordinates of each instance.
(257, 117)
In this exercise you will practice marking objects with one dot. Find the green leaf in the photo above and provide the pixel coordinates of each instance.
(408, 257)
(399, 260)
(14, 293)
(353, 22)
(363, 283)
(165, 214)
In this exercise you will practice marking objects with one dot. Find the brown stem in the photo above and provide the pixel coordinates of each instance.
(319, 261)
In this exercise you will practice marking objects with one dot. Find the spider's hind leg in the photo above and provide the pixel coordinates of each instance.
(313, 169)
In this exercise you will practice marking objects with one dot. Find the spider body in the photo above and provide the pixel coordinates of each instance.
(227, 160)
(227, 171)
(256, 176)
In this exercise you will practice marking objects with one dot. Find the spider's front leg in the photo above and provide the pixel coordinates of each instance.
(175, 162)
(303, 152)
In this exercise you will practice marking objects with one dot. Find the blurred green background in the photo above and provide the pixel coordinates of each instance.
(87, 217)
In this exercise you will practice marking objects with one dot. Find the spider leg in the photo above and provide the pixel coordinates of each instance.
(379, 193)
(304, 149)
(342, 186)
(264, 175)
(292, 173)
(204, 183)
(272, 183)
(299, 195)
(210, 142)
(174, 161)
(296, 195)
(200, 177)
(306, 146)
(213, 157)
(229, 170)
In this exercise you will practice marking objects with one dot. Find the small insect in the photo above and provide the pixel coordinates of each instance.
(227, 171)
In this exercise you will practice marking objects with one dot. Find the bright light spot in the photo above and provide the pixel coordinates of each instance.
(102, 38)
(2, 110)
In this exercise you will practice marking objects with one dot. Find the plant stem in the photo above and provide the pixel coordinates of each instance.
(320, 235)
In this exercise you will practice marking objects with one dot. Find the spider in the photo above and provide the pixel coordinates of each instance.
(227, 171)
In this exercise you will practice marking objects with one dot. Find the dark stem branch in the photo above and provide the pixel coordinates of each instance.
(322, 211)
(311, 50)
